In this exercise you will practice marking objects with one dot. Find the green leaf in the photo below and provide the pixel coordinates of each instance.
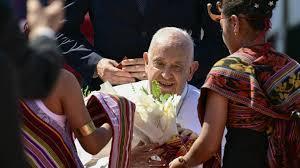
(155, 89)
(86, 91)
(156, 92)
(164, 98)
(145, 91)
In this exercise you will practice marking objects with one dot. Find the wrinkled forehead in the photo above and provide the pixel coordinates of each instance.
(172, 53)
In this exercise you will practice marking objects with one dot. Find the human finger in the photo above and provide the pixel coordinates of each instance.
(139, 75)
(134, 61)
(105, 61)
(55, 8)
(55, 14)
(107, 67)
(186, 132)
(33, 12)
(33, 5)
(117, 80)
(173, 164)
(134, 68)
(121, 73)
(116, 76)
(114, 63)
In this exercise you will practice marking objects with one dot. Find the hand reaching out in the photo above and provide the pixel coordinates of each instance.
(186, 132)
(50, 16)
(107, 70)
(177, 164)
(136, 67)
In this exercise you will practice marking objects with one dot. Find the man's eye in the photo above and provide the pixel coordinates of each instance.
(158, 64)
(177, 68)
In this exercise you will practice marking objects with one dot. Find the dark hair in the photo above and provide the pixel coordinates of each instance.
(258, 12)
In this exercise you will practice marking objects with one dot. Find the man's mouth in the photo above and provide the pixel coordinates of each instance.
(165, 83)
(166, 86)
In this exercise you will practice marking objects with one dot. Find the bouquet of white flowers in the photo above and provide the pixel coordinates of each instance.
(155, 116)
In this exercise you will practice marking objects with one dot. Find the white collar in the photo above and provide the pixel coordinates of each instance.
(183, 95)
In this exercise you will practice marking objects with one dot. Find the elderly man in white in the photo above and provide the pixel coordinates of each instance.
(169, 61)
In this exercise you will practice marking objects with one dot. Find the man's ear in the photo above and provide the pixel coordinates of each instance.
(193, 69)
(145, 56)
(236, 24)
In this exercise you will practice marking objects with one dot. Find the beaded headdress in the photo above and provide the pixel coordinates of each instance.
(265, 5)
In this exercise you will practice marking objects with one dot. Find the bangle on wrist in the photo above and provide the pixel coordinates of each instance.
(86, 129)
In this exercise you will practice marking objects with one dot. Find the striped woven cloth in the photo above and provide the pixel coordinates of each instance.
(48, 145)
(119, 112)
(263, 89)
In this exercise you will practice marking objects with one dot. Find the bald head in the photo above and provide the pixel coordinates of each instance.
(172, 38)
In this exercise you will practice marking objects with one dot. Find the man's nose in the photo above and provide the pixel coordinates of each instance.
(166, 73)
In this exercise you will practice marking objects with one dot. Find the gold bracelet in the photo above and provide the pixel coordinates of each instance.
(183, 161)
(86, 129)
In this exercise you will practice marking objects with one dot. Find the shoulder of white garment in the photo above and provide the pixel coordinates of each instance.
(128, 90)
(193, 91)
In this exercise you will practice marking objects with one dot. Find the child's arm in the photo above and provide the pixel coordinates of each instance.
(78, 116)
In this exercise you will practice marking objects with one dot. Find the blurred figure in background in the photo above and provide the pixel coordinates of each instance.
(27, 69)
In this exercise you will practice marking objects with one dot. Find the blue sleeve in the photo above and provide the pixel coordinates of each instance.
(77, 51)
